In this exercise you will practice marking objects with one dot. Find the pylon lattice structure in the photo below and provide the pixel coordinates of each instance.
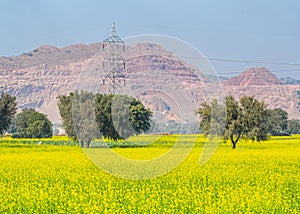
(114, 63)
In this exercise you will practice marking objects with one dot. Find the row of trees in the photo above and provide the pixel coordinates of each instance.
(27, 124)
(244, 119)
(86, 116)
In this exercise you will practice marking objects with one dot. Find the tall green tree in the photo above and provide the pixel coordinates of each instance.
(277, 122)
(7, 111)
(84, 118)
(32, 124)
(65, 110)
(121, 116)
(234, 128)
(243, 120)
(212, 118)
(253, 118)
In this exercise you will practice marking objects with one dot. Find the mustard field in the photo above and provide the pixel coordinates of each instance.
(255, 178)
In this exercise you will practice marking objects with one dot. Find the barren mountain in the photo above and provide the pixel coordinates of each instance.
(39, 76)
(254, 76)
(266, 87)
(166, 84)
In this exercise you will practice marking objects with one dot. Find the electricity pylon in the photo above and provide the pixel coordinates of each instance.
(114, 63)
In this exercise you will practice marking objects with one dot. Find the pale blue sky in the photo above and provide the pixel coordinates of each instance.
(256, 30)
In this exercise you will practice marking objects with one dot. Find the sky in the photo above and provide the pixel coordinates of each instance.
(234, 34)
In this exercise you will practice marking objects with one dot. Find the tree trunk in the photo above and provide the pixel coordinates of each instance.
(233, 144)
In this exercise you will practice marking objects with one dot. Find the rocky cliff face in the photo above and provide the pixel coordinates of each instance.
(165, 83)
(152, 74)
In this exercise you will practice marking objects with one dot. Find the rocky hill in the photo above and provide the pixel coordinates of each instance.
(153, 74)
(254, 76)
(266, 87)
(168, 85)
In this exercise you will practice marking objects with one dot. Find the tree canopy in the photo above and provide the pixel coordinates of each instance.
(277, 122)
(65, 111)
(32, 124)
(86, 116)
(234, 120)
(293, 126)
(7, 111)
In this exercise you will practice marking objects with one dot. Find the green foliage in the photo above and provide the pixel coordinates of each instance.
(32, 124)
(277, 122)
(293, 126)
(86, 116)
(120, 116)
(234, 128)
(7, 111)
(20, 142)
(253, 117)
(65, 111)
(234, 121)
(212, 118)
(84, 119)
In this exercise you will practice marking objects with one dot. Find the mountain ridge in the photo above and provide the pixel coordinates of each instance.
(37, 77)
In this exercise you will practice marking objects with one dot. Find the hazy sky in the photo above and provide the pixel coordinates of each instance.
(262, 31)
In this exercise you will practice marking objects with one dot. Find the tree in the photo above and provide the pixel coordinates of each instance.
(21, 122)
(293, 126)
(234, 121)
(32, 124)
(212, 118)
(86, 116)
(77, 111)
(277, 122)
(139, 116)
(7, 111)
(234, 128)
(253, 119)
(121, 116)
(65, 110)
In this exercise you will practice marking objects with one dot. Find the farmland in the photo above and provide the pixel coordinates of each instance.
(255, 178)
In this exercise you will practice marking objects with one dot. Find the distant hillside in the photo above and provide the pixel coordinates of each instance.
(166, 84)
(254, 76)
(39, 76)
(289, 81)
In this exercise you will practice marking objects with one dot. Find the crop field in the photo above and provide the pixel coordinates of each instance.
(48, 178)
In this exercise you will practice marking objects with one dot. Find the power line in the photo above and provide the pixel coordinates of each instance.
(241, 61)
(273, 71)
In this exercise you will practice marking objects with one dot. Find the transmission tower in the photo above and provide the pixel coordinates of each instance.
(114, 63)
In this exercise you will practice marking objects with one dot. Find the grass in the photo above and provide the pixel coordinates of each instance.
(254, 178)
(55, 140)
